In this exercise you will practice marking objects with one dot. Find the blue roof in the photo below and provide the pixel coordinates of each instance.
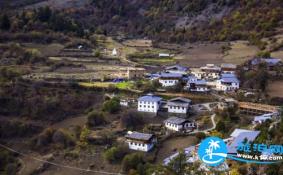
(200, 82)
(192, 77)
(226, 75)
(189, 78)
(170, 75)
(249, 135)
(230, 80)
(270, 61)
(150, 98)
(154, 75)
(263, 117)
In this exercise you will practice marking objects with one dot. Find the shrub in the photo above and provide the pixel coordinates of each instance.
(112, 105)
(44, 138)
(220, 126)
(263, 54)
(132, 120)
(8, 162)
(115, 154)
(63, 138)
(96, 119)
(200, 136)
(132, 161)
(51, 136)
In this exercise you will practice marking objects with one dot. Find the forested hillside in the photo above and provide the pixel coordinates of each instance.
(181, 20)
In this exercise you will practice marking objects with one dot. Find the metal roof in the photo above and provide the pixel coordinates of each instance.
(230, 80)
(263, 117)
(180, 100)
(139, 136)
(249, 136)
(175, 120)
(226, 75)
(200, 82)
(171, 75)
(237, 132)
(270, 61)
(150, 98)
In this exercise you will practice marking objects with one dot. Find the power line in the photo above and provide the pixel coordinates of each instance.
(58, 165)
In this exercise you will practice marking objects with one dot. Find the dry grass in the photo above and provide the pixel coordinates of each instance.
(171, 145)
(138, 43)
(240, 52)
(45, 50)
(274, 89)
(195, 55)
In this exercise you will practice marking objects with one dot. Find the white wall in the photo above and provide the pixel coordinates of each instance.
(213, 75)
(200, 89)
(144, 106)
(175, 109)
(198, 74)
(168, 83)
(223, 87)
(140, 146)
(173, 127)
(177, 128)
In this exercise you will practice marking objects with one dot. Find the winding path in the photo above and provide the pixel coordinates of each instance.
(212, 117)
(206, 131)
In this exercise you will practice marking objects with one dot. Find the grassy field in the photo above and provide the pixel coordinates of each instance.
(121, 85)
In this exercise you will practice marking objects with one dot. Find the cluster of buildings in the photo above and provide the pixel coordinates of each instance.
(152, 103)
(203, 79)
(145, 142)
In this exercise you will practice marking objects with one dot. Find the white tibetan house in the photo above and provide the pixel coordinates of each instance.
(197, 86)
(228, 82)
(170, 79)
(210, 71)
(149, 103)
(179, 105)
(177, 124)
(140, 141)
